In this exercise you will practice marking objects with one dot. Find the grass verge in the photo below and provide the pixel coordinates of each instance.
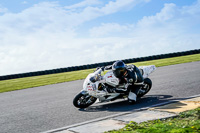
(29, 82)
(185, 122)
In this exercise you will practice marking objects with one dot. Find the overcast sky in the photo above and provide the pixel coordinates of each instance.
(47, 34)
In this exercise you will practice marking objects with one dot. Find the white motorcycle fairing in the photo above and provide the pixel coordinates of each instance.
(92, 88)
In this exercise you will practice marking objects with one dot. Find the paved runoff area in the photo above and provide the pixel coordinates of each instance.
(166, 110)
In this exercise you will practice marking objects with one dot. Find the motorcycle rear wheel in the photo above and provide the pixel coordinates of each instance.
(83, 101)
(146, 88)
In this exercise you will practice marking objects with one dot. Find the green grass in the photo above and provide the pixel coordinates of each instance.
(185, 122)
(29, 82)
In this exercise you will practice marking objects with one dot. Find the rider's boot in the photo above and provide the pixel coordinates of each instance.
(132, 98)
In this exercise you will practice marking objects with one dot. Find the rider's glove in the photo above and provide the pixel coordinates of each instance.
(103, 68)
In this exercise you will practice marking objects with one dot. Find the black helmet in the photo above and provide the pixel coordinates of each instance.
(119, 69)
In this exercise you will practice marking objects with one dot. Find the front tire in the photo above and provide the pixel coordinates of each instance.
(83, 101)
(146, 88)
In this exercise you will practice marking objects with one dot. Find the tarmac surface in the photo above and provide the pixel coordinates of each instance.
(49, 107)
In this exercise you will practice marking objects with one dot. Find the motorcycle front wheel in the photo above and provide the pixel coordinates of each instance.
(83, 101)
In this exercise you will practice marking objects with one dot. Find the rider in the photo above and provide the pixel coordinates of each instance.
(131, 76)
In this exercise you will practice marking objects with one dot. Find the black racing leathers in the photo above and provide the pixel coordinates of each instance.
(134, 78)
(133, 75)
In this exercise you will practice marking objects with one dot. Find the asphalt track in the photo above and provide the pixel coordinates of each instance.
(49, 107)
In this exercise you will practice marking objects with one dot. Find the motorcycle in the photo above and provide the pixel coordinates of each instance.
(96, 85)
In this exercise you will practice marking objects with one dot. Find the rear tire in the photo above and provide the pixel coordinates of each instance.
(146, 88)
(83, 101)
